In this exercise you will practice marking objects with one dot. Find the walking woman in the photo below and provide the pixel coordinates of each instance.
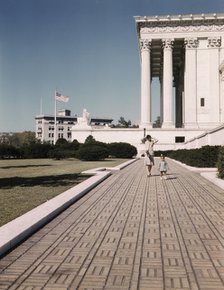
(149, 153)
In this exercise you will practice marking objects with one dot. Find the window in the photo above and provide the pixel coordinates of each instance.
(202, 102)
(179, 139)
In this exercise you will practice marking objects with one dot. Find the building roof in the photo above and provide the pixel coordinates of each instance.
(50, 117)
(209, 17)
(69, 118)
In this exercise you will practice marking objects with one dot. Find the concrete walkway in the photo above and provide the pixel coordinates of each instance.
(129, 232)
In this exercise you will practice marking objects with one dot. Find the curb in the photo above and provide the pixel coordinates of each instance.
(17, 230)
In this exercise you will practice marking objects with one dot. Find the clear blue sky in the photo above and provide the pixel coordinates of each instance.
(87, 49)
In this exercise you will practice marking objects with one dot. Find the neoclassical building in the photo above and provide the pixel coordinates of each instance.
(186, 53)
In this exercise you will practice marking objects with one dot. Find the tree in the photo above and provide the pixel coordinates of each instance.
(61, 142)
(123, 123)
(157, 123)
(75, 144)
(90, 140)
(18, 139)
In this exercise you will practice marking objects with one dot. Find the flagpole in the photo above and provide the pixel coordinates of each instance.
(41, 106)
(55, 118)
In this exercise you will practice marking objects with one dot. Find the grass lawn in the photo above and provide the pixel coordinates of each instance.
(25, 184)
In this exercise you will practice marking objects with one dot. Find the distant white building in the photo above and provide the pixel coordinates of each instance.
(45, 125)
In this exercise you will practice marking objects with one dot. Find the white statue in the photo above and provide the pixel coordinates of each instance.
(85, 119)
(86, 116)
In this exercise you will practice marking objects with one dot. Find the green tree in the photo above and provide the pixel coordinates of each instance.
(123, 123)
(157, 123)
(61, 142)
(90, 140)
(19, 139)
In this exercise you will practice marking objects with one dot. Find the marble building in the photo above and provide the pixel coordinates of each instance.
(186, 54)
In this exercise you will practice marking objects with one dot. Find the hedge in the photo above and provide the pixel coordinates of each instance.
(206, 156)
(122, 150)
(220, 163)
(92, 153)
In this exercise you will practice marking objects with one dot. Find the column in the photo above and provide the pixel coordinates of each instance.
(168, 121)
(221, 71)
(145, 45)
(214, 44)
(161, 100)
(190, 83)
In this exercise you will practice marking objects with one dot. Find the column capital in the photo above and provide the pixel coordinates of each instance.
(145, 44)
(167, 43)
(214, 42)
(191, 42)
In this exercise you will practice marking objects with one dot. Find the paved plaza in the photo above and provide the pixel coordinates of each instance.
(129, 232)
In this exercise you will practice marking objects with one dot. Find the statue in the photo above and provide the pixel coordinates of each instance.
(84, 121)
(86, 116)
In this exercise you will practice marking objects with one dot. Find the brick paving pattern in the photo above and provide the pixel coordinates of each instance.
(130, 232)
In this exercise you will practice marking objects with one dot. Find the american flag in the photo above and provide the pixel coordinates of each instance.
(61, 98)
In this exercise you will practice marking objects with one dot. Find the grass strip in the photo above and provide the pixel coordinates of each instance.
(25, 184)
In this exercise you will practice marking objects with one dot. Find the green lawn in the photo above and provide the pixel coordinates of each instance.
(25, 184)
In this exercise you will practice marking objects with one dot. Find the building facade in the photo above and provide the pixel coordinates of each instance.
(45, 129)
(186, 53)
(45, 125)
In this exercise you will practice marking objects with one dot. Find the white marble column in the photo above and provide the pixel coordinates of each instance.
(145, 45)
(221, 71)
(168, 121)
(161, 101)
(214, 44)
(190, 83)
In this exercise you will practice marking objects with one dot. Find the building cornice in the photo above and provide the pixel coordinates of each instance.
(189, 18)
(180, 23)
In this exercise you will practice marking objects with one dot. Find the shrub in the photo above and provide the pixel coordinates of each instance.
(64, 149)
(90, 140)
(92, 153)
(9, 151)
(122, 150)
(75, 144)
(61, 142)
(36, 150)
(61, 153)
(220, 163)
(203, 157)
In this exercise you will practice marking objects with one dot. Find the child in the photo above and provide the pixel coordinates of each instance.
(163, 167)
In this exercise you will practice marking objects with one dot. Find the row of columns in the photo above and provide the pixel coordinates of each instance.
(167, 85)
(190, 84)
